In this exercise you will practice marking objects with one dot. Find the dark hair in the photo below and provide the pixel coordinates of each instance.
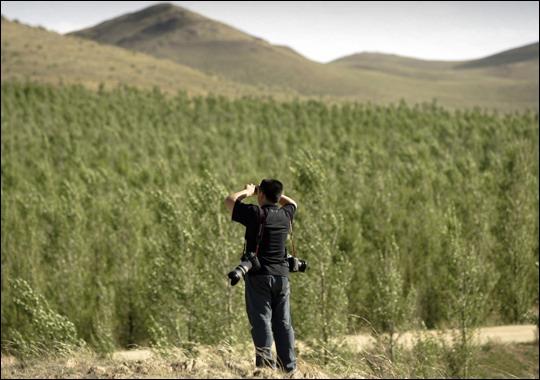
(272, 189)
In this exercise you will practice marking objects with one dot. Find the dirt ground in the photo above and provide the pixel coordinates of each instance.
(497, 334)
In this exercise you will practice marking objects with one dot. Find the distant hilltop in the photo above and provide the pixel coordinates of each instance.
(227, 60)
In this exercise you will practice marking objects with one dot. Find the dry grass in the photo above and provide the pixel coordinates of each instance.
(225, 361)
(508, 361)
(222, 361)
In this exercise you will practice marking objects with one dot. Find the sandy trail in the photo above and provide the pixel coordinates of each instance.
(133, 355)
(498, 334)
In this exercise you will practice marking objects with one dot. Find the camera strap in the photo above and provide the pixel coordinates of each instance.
(292, 239)
(262, 221)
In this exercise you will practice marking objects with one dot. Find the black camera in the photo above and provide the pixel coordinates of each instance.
(249, 261)
(296, 265)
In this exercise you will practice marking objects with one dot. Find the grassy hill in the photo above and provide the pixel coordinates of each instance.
(521, 54)
(40, 55)
(171, 32)
(515, 64)
(391, 63)
(175, 49)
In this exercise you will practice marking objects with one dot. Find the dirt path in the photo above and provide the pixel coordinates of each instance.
(132, 355)
(498, 334)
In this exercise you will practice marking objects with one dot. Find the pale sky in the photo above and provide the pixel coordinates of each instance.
(324, 30)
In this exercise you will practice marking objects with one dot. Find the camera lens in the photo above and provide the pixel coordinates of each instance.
(235, 276)
(302, 265)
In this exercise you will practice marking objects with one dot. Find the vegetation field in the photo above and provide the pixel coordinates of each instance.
(114, 231)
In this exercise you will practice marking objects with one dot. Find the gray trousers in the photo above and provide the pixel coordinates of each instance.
(269, 313)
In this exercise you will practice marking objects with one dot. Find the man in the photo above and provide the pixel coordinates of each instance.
(267, 290)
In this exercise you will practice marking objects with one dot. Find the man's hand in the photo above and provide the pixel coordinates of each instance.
(250, 190)
(247, 192)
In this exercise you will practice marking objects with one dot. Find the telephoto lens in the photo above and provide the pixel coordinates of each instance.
(234, 276)
(239, 272)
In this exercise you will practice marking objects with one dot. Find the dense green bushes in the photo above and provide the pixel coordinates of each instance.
(112, 210)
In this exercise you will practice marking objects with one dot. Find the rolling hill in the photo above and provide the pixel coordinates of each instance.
(518, 64)
(171, 32)
(173, 48)
(521, 54)
(30, 53)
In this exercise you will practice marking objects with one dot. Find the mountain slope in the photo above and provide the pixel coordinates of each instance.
(519, 63)
(36, 54)
(171, 32)
(183, 50)
(521, 54)
(368, 60)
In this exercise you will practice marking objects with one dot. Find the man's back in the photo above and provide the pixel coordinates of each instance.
(272, 252)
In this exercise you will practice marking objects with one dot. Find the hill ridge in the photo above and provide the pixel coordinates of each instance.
(38, 54)
(253, 66)
(522, 53)
(518, 54)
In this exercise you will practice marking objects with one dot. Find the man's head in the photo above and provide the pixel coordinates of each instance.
(269, 191)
